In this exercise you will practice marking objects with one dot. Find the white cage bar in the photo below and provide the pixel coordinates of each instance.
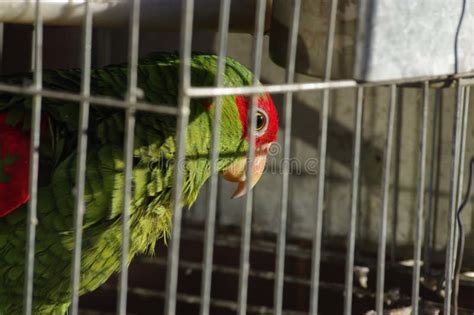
(252, 123)
(81, 158)
(183, 117)
(281, 241)
(34, 158)
(212, 197)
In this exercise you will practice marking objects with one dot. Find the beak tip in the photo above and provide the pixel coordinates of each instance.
(240, 191)
(237, 194)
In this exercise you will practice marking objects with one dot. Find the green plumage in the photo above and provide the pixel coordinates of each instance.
(154, 153)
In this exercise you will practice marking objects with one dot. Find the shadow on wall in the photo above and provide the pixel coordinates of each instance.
(306, 126)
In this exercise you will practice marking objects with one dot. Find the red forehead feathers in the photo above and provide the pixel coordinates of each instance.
(265, 103)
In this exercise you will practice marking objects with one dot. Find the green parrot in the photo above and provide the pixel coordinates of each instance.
(154, 152)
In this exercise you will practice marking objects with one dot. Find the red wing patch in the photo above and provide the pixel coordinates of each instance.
(14, 166)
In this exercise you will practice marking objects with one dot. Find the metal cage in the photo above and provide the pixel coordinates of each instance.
(310, 287)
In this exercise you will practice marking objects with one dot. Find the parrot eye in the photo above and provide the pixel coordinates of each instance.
(262, 121)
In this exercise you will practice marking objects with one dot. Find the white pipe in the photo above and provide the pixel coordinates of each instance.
(162, 15)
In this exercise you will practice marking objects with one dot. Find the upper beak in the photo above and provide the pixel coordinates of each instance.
(236, 172)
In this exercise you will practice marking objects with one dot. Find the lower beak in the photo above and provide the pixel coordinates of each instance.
(236, 172)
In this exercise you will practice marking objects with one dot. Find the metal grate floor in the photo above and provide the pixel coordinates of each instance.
(147, 286)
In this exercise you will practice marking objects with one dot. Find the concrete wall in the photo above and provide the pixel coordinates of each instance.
(305, 154)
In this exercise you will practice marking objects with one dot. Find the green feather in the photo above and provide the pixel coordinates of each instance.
(154, 165)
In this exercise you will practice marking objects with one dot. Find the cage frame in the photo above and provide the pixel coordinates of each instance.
(131, 105)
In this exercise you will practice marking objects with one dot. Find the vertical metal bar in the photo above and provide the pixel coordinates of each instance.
(131, 99)
(212, 197)
(183, 118)
(459, 239)
(2, 33)
(281, 241)
(316, 252)
(429, 237)
(81, 158)
(455, 151)
(465, 109)
(32, 219)
(467, 96)
(247, 216)
(382, 242)
(354, 202)
(395, 192)
(420, 201)
(462, 157)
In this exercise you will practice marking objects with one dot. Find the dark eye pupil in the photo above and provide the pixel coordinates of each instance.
(260, 121)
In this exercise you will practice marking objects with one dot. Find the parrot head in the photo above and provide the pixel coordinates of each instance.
(265, 135)
(234, 138)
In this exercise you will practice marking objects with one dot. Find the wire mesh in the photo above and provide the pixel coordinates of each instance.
(131, 105)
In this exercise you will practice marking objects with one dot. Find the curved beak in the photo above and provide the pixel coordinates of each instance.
(236, 172)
